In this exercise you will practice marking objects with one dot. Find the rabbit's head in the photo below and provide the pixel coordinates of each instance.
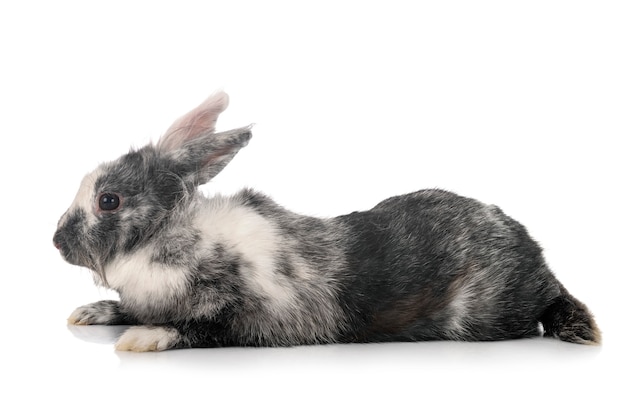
(123, 204)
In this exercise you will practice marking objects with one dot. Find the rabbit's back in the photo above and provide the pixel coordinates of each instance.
(435, 265)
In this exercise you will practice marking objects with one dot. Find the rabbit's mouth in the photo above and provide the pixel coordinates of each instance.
(69, 253)
(65, 252)
(69, 239)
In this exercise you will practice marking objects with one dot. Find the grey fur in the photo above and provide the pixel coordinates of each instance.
(242, 270)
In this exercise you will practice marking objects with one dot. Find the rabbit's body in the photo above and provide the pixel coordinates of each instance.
(194, 271)
(245, 268)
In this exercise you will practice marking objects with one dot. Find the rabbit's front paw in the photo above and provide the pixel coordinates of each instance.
(148, 339)
(105, 312)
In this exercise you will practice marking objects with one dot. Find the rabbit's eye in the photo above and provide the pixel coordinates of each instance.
(109, 202)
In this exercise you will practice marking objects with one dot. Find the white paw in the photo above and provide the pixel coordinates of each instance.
(147, 339)
(97, 313)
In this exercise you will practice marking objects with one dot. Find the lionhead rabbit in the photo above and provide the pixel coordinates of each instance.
(193, 271)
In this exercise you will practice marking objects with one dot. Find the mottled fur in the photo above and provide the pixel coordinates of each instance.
(193, 271)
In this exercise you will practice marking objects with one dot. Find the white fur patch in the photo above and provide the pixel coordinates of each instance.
(252, 237)
(143, 281)
(84, 198)
(459, 312)
(147, 339)
(480, 286)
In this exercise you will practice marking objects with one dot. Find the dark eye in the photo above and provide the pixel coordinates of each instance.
(108, 202)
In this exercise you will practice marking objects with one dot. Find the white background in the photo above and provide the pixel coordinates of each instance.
(521, 104)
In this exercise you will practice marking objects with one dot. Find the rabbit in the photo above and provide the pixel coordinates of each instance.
(241, 270)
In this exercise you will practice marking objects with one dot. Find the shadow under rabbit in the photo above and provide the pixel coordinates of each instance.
(431, 354)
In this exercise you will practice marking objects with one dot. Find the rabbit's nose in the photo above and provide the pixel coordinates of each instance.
(55, 241)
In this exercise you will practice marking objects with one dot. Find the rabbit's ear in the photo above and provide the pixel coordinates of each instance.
(199, 121)
(211, 154)
(199, 152)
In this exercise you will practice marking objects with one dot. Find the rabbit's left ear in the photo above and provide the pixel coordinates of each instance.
(199, 121)
(199, 152)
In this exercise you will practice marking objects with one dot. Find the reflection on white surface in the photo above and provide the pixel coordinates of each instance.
(524, 354)
(514, 372)
(97, 333)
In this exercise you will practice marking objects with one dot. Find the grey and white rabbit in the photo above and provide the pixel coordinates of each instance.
(193, 271)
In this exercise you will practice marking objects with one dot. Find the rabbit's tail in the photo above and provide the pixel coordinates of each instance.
(569, 320)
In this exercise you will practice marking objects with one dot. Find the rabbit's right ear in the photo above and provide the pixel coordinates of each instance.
(199, 152)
